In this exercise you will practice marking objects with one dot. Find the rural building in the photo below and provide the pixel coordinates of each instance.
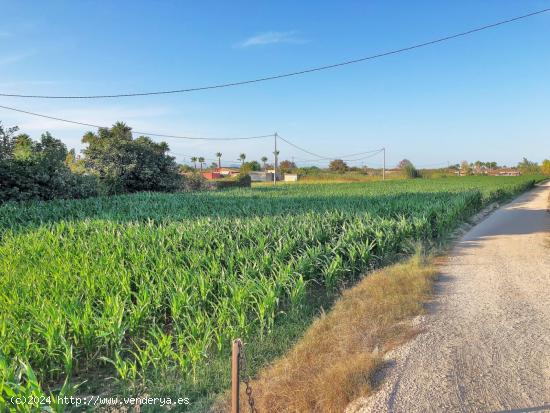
(211, 175)
(392, 171)
(261, 176)
(507, 172)
(218, 173)
(227, 171)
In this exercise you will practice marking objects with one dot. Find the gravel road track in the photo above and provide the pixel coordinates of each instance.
(485, 342)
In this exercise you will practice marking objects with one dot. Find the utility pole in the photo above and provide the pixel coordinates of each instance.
(275, 164)
(384, 165)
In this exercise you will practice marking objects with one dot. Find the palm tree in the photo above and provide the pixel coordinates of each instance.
(201, 161)
(264, 160)
(242, 157)
(219, 156)
(194, 160)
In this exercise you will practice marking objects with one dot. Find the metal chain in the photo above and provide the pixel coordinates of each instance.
(246, 378)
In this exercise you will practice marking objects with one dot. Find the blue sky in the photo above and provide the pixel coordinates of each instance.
(486, 96)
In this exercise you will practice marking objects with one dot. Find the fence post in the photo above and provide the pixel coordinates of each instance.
(236, 349)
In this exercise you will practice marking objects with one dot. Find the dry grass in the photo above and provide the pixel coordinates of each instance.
(334, 363)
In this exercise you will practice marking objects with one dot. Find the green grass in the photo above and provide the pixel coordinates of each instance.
(151, 288)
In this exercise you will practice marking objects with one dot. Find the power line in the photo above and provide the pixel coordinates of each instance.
(302, 149)
(154, 134)
(159, 135)
(184, 155)
(320, 157)
(341, 156)
(279, 76)
(363, 158)
(345, 157)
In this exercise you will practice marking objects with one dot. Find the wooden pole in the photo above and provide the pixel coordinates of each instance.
(384, 166)
(275, 165)
(235, 376)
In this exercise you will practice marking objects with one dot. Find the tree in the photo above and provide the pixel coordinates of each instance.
(219, 156)
(124, 164)
(213, 165)
(338, 165)
(527, 167)
(465, 168)
(75, 163)
(23, 148)
(404, 163)
(242, 157)
(37, 170)
(410, 171)
(7, 141)
(185, 168)
(545, 168)
(201, 161)
(287, 166)
(250, 166)
(264, 161)
(478, 167)
(194, 160)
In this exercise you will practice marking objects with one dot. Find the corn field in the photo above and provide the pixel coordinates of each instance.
(158, 282)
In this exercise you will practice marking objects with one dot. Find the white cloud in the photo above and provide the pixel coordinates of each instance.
(272, 38)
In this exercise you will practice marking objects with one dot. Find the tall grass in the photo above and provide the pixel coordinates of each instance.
(150, 284)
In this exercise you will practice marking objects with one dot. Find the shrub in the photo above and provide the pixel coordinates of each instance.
(124, 164)
(241, 181)
(193, 182)
(37, 170)
(250, 166)
(338, 165)
(411, 172)
(527, 167)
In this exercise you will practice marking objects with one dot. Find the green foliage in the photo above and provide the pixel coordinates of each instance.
(20, 390)
(185, 168)
(75, 163)
(465, 168)
(545, 167)
(250, 166)
(124, 164)
(308, 171)
(7, 141)
(287, 166)
(37, 170)
(338, 165)
(151, 284)
(193, 181)
(411, 172)
(526, 167)
(240, 181)
(404, 163)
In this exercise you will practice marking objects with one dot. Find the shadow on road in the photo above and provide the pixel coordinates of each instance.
(518, 218)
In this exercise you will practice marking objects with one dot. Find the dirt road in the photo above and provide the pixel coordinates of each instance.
(486, 340)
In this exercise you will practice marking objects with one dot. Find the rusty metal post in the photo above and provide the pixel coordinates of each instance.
(236, 350)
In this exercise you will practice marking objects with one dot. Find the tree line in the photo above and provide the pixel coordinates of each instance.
(113, 162)
(525, 167)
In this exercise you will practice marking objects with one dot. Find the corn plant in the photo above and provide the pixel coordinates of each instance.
(148, 283)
